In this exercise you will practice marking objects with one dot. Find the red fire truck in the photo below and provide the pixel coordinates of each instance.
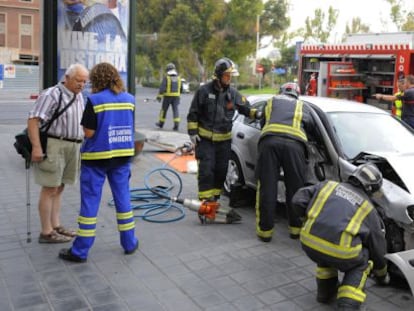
(363, 65)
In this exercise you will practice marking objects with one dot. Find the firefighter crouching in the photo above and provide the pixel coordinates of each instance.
(342, 231)
(285, 128)
(209, 122)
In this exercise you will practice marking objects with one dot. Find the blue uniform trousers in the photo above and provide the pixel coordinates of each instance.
(92, 180)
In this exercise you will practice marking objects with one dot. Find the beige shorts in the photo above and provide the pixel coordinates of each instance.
(61, 165)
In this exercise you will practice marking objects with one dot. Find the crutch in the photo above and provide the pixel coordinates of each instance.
(27, 165)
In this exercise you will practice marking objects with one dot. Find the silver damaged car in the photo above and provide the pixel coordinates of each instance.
(350, 133)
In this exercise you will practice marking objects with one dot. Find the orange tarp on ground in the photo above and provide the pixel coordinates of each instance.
(179, 163)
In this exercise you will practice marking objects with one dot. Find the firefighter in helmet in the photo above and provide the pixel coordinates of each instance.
(286, 125)
(170, 92)
(209, 122)
(343, 231)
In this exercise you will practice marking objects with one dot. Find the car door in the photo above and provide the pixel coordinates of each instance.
(246, 133)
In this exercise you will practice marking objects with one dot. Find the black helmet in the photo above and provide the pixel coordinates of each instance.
(223, 65)
(290, 88)
(170, 66)
(368, 177)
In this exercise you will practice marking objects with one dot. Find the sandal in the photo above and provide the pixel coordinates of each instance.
(53, 237)
(64, 231)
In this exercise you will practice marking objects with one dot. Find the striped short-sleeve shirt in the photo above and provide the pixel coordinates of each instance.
(67, 125)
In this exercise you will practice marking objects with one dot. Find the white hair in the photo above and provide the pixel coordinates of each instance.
(74, 69)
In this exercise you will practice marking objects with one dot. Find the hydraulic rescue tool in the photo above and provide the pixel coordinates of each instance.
(210, 211)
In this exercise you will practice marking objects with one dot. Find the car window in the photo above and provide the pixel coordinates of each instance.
(371, 132)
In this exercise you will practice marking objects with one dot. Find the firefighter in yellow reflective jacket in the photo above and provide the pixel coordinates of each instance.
(285, 128)
(343, 231)
(209, 122)
(170, 92)
(108, 123)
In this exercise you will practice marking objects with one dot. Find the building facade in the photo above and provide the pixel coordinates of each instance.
(20, 31)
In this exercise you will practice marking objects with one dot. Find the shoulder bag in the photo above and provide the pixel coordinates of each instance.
(22, 142)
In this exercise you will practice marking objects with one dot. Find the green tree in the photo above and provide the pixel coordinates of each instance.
(274, 20)
(316, 27)
(397, 12)
(356, 27)
(409, 23)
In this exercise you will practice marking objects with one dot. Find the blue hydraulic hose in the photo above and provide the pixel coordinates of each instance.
(152, 208)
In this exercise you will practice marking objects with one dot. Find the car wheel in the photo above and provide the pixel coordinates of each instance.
(234, 177)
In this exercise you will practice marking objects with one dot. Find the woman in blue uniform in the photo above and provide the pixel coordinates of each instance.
(108, 123)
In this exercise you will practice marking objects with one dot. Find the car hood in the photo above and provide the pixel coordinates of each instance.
(402, 164)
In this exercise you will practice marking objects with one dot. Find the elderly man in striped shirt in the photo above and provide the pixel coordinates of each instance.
(59, 164)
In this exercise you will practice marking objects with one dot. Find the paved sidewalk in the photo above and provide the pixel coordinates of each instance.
(179, 266)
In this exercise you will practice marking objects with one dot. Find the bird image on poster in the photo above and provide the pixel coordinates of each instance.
(91, 32)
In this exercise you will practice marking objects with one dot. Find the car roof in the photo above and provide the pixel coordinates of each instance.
(328, 104)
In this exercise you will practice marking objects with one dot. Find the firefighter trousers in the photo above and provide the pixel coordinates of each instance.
(274, 153)
(92, 180)
(174, 102)
(351, 289)
(213, 159)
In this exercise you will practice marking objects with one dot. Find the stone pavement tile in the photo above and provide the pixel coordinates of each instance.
(197, 288)
(103, 297)
(175, 270)
(249, 275)
(265, 283)
(211, 272)
(233, 292)
(71, 304)
(221, 282)
(292, 290)
(116, 306)
(175, 299)
(301, 260)
(248, 303)
(309, 283)
(29, 299)
(285, 306)
(386, 306)
(308, 302)
(299, 274)
(271, 296)
(222, 307)
(41, 307)
(232, 267)
(158, 283)
(209, 299)
(402, 300)
(185, 278)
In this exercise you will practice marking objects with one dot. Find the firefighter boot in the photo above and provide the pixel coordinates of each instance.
(175, 128)
(159, 124)
(327, 289)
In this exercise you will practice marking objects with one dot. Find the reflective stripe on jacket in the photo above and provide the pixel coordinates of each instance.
(285, 116)
(340, 221)
(172, 87)
(397, 107)
(212, 111)
(114, 135)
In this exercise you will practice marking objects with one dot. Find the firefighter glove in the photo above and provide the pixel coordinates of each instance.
(159, 98)
(258, 115)
(195, 139)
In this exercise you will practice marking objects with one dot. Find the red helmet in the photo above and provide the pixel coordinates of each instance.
(290, 88)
